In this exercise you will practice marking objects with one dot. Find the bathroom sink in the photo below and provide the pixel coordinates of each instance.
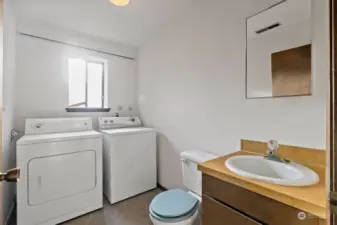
(259, 168)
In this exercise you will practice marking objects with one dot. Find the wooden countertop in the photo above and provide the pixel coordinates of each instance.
(310, 199)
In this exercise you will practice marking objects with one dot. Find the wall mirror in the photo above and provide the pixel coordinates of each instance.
(278, 54)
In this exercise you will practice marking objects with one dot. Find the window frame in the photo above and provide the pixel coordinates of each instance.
(103, 107)
(87, 83)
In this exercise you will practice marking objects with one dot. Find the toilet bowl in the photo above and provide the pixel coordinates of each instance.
(174, 207)
(178, 207)
(185, 221)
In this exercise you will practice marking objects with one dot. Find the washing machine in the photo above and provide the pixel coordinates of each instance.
(61, 170)
(129, 157)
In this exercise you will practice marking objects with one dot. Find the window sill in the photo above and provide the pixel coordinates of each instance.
(88, 109)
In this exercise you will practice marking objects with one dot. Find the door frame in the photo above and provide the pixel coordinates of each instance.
(332, 137)
(1, 100)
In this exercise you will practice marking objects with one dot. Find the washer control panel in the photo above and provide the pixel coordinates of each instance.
(118, 122)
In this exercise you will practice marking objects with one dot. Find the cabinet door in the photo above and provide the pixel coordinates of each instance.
(257, 206)
(215, 213)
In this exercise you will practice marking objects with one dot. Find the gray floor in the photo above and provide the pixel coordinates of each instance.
(133, 211)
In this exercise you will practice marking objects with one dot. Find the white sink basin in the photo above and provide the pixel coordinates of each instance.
(259, 168)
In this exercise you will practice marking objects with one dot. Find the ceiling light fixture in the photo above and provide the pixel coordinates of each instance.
(120, 2)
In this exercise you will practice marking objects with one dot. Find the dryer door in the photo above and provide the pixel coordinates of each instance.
(55, 177)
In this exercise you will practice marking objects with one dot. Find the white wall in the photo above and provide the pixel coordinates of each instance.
(8, 148)
(192, 87)
(41, 86)
(49, 31)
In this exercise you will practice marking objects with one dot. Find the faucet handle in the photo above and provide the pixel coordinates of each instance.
(272, 146)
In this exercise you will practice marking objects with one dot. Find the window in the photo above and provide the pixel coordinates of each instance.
(86, 84)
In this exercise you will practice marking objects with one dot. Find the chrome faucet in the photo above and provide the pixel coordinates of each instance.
(272, 149)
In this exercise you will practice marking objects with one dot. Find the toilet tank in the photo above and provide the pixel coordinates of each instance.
(191, 175)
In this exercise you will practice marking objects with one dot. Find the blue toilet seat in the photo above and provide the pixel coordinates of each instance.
(173, 206)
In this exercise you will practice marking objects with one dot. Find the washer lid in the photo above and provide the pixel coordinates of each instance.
(125, 131)
(173, 203)
(43, 138)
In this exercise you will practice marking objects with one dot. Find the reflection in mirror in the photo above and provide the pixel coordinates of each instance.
(291, 71)
(279, 51)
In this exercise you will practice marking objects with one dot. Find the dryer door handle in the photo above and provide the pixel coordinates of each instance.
(12, 175)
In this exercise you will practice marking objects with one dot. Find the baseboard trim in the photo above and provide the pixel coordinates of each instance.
(161, 187)
(11, 213)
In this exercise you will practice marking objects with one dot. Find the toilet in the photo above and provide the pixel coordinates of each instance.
(176, 206)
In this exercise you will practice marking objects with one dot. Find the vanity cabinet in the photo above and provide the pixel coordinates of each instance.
(227, 204)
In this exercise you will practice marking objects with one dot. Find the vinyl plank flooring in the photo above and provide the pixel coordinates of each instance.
(133, 211)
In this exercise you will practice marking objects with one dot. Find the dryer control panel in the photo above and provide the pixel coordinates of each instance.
(118, 122)
(57, 125)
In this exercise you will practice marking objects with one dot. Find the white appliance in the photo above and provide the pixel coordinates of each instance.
(129, 157)
(177, 207)
(61, 170)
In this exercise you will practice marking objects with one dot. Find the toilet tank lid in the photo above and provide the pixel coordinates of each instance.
(198, 156)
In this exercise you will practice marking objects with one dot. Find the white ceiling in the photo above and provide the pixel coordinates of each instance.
(132, 25)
